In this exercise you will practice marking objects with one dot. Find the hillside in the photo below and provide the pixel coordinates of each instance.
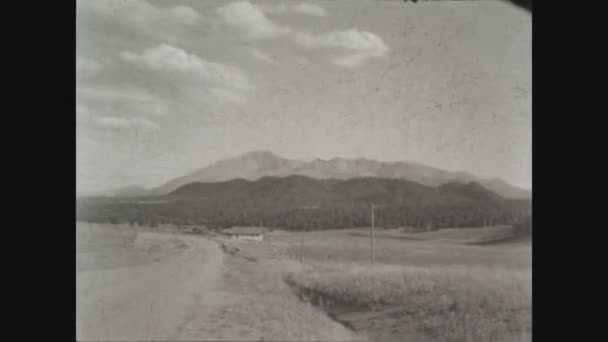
(279, 202)
(258, 164)
(306, 191)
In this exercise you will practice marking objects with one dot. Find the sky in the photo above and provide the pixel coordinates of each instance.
(167, 87)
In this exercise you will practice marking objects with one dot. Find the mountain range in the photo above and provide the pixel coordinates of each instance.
(303, 191)
(286, 202)
(259, 164)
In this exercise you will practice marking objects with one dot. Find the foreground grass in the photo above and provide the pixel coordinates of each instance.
(447, 303)
(265, 308)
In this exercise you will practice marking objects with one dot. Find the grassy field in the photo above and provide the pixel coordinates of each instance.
(462, 303)
(425, 287)
(264, 308)
(125, 272)
(103, 246)
(432, 286)
(446, 247)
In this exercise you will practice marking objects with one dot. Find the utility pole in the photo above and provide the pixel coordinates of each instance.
(304, 226)
(302, 245)
(372, 232)
(294, 208)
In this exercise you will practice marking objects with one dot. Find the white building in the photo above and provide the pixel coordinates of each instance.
(246, 233)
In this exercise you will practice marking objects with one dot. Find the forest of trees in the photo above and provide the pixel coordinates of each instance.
(421, 217)
(298, 202)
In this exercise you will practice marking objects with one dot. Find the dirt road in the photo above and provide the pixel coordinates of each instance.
(154, 286)
(159, 300)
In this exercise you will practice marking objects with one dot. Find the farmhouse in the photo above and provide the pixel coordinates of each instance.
(246, 233)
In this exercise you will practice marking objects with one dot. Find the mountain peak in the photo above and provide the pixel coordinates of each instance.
(260, 154)
(256, 164)
(471, 189)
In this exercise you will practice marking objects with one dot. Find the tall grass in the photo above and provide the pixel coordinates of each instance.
(270, 310)
(449, 303)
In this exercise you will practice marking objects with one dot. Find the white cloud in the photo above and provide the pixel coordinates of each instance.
(104, 107)
(225, 95)
(273, 9)
(351, 61)
(251, 20)
(87, 66)
(142, 12)
(143, 17)
(170, 58)
(118, 107)
(121, 122)
(310, 9)
(126, 99)
(185, 14)
(352, 39)
(261, 55)
(364, 45)
(301, 8)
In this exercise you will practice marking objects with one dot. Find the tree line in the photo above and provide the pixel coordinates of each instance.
(427, 217)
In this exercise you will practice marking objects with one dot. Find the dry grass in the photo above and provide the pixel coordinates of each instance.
(462, 303)
(424, 287)
(431, 285)
(268, 309)
(103, 246)
(446, 247)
